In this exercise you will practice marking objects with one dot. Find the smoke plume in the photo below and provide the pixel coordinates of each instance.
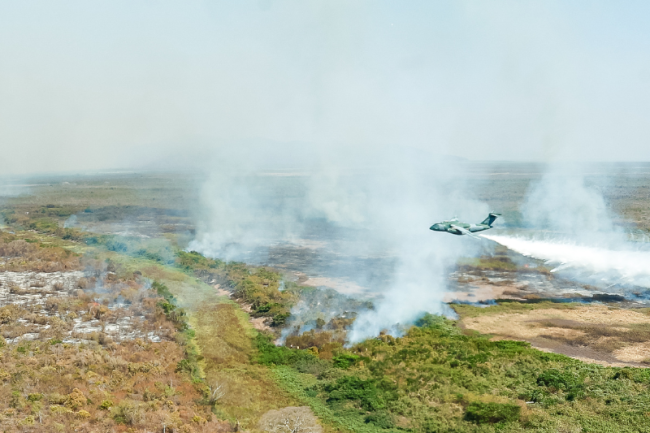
(574, 231)
(565, 203)
(379, 213)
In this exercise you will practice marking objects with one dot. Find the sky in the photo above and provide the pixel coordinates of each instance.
(90, 85)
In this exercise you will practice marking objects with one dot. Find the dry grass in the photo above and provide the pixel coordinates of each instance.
(19, 256)
(98, 385)
(618, 333)
(223, 335)
(95, 384)
(90, 388)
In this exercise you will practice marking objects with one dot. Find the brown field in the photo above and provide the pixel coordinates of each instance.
(594, 333)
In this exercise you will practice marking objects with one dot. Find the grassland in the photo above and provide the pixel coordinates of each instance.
(440, 376)
(509, 307)
(437, 377)
(593, 332)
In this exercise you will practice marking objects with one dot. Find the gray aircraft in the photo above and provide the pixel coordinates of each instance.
(456, 227)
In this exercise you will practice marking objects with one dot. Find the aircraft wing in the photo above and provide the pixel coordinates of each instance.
(464, 231)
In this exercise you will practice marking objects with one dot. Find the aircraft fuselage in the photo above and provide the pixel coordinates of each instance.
(459, 228)
(446, 226)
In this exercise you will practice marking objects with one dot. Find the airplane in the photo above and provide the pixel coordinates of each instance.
(456, 227)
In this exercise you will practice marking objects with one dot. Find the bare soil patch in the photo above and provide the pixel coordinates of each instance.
(481, 292)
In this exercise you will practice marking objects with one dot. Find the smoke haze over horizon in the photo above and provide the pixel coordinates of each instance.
(90, 86)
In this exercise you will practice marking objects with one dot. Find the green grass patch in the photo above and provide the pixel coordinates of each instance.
(509, 307)
(435, 379)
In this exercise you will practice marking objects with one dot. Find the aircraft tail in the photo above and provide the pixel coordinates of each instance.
(490, 219)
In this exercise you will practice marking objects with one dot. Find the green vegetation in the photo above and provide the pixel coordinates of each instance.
(215, 365)
(505, 306)
(492, 413)
(437, 378)
(256, 287)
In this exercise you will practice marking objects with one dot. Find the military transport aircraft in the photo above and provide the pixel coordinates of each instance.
(456, 227)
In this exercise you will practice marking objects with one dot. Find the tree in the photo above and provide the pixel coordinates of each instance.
(218, 390)
(290, 420)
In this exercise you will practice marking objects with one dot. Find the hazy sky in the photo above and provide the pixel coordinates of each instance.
(101, 84)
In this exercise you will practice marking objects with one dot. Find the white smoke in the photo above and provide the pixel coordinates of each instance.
(419, 287)
(70, 222)
(574, 230)
(565, 203)
(241, 212)
(602, 265)
(381, 211)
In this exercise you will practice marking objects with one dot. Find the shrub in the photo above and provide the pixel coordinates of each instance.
(75, 399)
(9, 314)
(56, 398)
(557, 379)
(270, 354)
(638, 375)
(512, 347)
(439, 323)
(380, 419)
(280, 319)
(345, 360)
(82, 414)
(59, 410)
(127, 412)
(491, 413)
(16, 400)
(28, 421)
(312, 365)
(370, 394)
(34, 397)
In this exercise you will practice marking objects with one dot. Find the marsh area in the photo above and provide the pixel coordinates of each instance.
(83, 251)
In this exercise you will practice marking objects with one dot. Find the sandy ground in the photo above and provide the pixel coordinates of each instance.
(259, 323)
(530, 326)
(222, 292)
(634, 352)
(484, 292)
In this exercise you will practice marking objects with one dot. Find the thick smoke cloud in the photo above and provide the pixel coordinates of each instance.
(573, 230)
(381, 211)
(563, 202)
(613, 269)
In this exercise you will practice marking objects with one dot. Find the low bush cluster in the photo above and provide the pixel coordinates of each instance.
(437, 378)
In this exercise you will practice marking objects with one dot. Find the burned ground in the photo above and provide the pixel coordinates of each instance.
(94, 348)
